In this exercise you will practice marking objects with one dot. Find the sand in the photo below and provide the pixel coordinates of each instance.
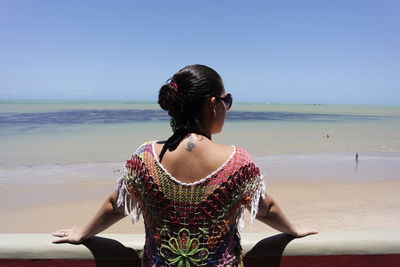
(46, 198)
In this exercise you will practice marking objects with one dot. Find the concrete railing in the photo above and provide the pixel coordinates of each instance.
(363, 248)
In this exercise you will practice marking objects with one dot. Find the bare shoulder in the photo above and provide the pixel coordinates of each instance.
(206, 146)
(194, 158)
(221, 149)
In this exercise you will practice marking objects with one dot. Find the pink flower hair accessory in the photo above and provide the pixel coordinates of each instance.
(174, 85)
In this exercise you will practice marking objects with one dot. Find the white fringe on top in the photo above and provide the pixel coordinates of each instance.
(260, 192)
(125, 199)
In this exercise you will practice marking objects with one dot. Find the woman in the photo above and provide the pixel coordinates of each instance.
(191, 191)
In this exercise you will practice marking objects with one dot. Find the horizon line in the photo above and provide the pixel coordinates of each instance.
(155, 102)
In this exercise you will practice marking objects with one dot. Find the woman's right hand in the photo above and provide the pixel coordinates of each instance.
(73, 235)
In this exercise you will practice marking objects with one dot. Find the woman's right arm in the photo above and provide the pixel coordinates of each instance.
(107, 215)
(271, 214)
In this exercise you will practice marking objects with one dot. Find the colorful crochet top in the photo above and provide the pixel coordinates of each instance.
(190, 224)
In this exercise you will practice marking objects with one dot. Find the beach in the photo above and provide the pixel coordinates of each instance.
(312, 197)
(55, 175)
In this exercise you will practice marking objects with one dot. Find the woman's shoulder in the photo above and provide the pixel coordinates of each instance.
(238, 160)
(237, 154)
(242, 156)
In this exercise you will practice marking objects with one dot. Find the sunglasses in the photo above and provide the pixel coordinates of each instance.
(227, 101)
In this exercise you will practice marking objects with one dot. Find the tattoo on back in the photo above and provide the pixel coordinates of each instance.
(190, 145)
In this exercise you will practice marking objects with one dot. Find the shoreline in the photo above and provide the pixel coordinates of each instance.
(271, 165)
(283, 154)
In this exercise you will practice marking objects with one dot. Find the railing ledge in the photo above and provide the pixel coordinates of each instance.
(255, 246)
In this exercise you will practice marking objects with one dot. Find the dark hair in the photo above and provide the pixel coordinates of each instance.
(183, 96)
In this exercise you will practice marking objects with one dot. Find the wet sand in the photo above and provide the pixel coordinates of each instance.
(324, 191)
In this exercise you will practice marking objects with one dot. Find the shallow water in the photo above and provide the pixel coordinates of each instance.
(63, 132)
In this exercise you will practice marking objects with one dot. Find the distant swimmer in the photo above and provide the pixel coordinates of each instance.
(357, 158)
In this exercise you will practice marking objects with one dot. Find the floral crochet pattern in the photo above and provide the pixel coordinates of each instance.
(195, 224)
(184, 250)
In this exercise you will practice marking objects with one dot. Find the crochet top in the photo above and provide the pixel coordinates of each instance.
(190, 224)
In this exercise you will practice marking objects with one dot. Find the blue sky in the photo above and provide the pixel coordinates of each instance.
(344, 52)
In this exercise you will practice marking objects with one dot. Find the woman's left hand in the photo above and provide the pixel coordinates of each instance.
(301, 231)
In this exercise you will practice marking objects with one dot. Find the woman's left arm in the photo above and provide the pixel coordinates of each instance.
(107, 215)
(271, 214)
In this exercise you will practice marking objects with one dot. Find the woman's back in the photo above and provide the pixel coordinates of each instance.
(193, 220)
(195, 158)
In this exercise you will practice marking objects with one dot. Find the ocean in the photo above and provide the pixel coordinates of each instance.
(51, 132)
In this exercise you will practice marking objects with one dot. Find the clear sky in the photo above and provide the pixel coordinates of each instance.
(342, 51)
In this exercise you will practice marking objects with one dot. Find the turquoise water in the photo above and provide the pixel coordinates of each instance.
(61, 132)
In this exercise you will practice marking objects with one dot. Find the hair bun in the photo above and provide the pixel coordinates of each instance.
(168, 98)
